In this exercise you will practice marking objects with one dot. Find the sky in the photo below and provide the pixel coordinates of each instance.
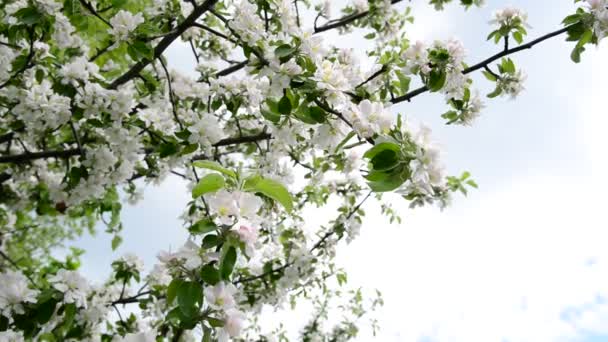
(521, 259)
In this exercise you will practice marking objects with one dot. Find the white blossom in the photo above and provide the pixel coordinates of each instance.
(205, 131)
(234, 322)
(63, 33)
(133, 262)
(79, 69)
(247, 23)
(221, 295)
(508, 16)
(72, 285)
(512, 84)
(42, 108)
(14, 292)
(11, 336)
(143, 336)
(369, 118)
(123, 23)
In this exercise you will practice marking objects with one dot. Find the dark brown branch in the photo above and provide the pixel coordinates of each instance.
(4, 177)
(487, 61)
(25, 157)
(242, 140)
(345, 20)
(215, 32)
(6, 137)
(373, 76)
(132, 299)
(101, 51)
(164, 44)
(231, 69)
(12, 46)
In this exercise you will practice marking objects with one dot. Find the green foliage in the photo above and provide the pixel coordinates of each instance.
(210, 183)
(227, 262)
(271, 189)
(388, 166)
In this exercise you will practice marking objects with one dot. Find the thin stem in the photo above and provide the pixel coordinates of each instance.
(487, 61)
(175, 116)
(345, 20)
(90, 8)
(215, 32)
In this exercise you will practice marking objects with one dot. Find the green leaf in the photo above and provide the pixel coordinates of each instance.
(3, 323)
(190, 298)
(203, 226)
(227, 263)
(385, 160)
(46, 337)
(489, 75)
(210, 274)
(167, 149)
(519, 38)
(495, 93)
(211, 165)
(215, 322)
(508, 66)
(116, 241)
(210, 241)
(172, 290)
(140, 50)
(284, 50)
(45, 310)
(284, 106)
(29, 16)
(585, 38)
(270, 188)
(118, 3)
(318, 114)
(437, 79)
(69, 312)
(383, 182)
(378, 148)
(270, 115)
(210, 183)
(206, 334)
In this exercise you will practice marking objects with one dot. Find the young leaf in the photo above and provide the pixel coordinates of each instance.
(203, 226)
(189, 298)
(210, 275)
(210, 183)
(270, 188)
(211, 165)
(227, 263)
(284, 105)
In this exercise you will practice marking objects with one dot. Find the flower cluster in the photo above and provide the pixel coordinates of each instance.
(509, 20)
(370, 118)
(273, 121)
(14, 293)
(123, 23)
(510, 16)
(599, 10)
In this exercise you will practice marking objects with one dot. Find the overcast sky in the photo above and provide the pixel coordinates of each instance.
(523, 258)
